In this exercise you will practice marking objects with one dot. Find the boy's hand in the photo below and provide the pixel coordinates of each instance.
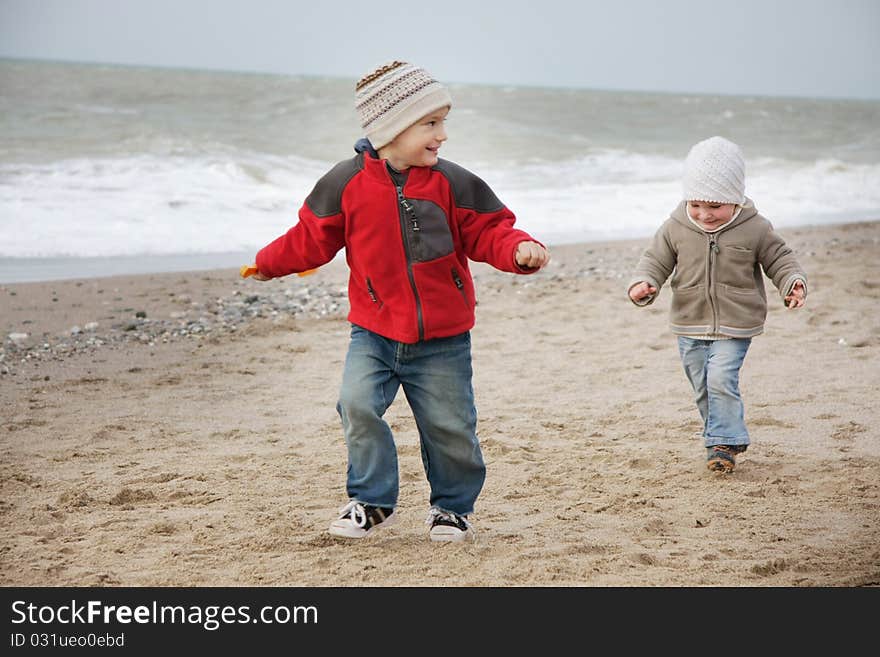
(641, 290)
(531, 255)
(795, 298)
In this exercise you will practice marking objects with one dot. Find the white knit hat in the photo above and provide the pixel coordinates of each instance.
(391, 98)
(715, 172)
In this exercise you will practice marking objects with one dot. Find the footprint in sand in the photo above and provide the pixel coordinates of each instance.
(129, 496)
(75, 498)
(768, 568)
(770, 422)
(163, 529)
(645, 559)
(848, 431)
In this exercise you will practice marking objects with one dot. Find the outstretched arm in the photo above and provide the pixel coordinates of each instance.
(781, 266)
(320, 233)
(308, 245)
(486, 225)
(654, 267)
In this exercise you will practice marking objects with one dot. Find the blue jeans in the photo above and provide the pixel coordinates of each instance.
(436, 378)
(712, 367)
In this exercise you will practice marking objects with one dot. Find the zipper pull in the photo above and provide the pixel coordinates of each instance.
(713, 246)
(408, 209)
(371, 292)
(457, 279)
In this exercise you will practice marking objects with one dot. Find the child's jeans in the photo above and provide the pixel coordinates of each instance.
(436, 378)
(712, 367)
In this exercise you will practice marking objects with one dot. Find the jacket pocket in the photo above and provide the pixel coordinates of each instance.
(373, 296)
(738, 254)
(456, 279)
(736, 267)
(446, 307)
(689, 305)
(741, 308)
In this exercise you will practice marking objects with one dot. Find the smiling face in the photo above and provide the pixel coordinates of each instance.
(417, 146)
(710, 216)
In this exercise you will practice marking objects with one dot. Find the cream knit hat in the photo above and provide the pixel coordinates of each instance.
(393, 97)
(715, 172)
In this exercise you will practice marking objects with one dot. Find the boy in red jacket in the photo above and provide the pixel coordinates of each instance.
(409, 222)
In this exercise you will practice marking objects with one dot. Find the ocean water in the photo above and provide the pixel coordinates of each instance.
(107, 169)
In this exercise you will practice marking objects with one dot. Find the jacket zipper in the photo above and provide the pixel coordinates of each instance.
(713, 251)
(407, 212)
(457, 279)
(408, 209)
(375, 298)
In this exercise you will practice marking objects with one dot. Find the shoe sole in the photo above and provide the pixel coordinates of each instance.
(449, 535)
(720, 465)
(346, 530)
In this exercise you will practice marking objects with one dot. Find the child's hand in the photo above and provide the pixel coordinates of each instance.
(796, 299)
(641, 290)
(257, 276)
(531, 255)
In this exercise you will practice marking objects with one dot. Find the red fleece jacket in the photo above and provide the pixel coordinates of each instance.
(407, 247)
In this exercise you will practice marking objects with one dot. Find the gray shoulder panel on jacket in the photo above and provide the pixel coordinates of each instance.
(325, 199)
(469, 190)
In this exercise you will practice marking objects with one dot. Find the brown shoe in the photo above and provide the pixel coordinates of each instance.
(722, 458)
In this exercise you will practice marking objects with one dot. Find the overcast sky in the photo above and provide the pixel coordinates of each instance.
(767, 47)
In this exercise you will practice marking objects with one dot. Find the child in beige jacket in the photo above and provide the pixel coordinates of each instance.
(717, 248)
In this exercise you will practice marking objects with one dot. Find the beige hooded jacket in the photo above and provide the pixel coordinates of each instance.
(717, 282)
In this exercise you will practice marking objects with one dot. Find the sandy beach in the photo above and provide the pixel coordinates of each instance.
(180, 430)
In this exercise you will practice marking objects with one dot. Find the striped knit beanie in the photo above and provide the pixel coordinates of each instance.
(715, 172)
(393, 97)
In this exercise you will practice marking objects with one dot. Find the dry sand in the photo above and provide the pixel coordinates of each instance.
(215, 457)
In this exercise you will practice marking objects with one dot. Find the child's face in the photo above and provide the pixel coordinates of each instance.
(417, 146)
(710, 215)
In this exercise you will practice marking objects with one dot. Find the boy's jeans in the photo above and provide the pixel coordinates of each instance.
(436, 379)
(712, 367)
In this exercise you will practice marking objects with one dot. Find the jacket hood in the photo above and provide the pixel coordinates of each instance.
(363, 145)
(680, 215)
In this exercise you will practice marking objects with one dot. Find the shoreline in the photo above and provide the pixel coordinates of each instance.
(198, 443)
(15, 270)
(67, 268)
